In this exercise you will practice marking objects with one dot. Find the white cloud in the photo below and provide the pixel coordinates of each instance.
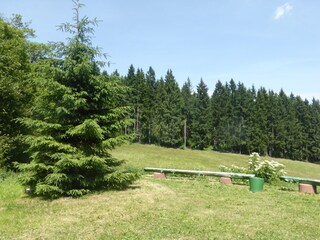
(282, 10)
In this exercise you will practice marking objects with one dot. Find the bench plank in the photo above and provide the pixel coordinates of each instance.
(195, 172)
(300, 180)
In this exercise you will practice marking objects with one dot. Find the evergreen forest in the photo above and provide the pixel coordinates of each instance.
(61, 113)
(234, 118)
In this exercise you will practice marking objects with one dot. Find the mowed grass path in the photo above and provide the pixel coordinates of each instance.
(175, 208)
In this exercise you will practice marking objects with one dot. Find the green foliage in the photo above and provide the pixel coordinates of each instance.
(236, 119)
(200, 124)
(16, 88)
(270, 170)
(219, 120)
(188, 102)
(76, 120)
(149, 105)
(170, 121)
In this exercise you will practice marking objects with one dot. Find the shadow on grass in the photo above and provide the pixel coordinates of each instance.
(30, 194)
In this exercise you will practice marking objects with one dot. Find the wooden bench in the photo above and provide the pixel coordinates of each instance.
(306, 185)
(225, 177)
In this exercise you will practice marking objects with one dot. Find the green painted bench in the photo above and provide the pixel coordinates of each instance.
(305, 184)
(300, 180)
(199, 173)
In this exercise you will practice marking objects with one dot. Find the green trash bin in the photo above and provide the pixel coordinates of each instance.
(256, 184)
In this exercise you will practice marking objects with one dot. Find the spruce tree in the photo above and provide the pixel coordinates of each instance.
(273, 118)
(160, 109)
(149, 106)
(140, 93)
(314, 131)
(172, 118)
(200, 124)
(280, 127)
(220, 104)
(131, 97)
(188, 100)
(297, 129)
(77, 120)
(16, 88)
(244, 103)
(258, 130)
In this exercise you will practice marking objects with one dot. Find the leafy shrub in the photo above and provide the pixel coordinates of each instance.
(270, 170)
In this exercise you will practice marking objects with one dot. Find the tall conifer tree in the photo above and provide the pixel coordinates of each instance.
(220, 118)
(149, 104)
(172, 118)
(200, 124)
(77, 121)
(188, 100)
(16, 88)
(258, 130)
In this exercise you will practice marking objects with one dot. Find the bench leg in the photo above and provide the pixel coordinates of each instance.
(307, 188)
(226, 180)
(159, 175)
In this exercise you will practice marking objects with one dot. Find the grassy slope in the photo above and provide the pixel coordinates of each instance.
(152, 156)
(176, 208)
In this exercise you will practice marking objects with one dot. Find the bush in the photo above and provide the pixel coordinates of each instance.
(270, 170)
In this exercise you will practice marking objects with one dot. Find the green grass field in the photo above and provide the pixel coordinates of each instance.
(174, 208)
(152, 156)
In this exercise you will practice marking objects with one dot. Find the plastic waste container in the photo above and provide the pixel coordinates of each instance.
(256, 184)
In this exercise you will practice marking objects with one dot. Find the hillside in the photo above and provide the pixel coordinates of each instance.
(153, 156)
(175, 208)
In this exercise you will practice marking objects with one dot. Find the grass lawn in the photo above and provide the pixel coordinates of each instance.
(152, 156)
(174, 208)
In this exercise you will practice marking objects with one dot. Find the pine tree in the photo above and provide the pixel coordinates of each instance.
(220, 120)
(258, 138)
(297, 129)
(243, 107)
(273, 119)
(200, 124)
(233, 140)
(16, 88)
(280, 132)
(187, 109)
(137, 84)
(149, 104)
(172, 118)
(77, 120)
(131, 98)
(160, 109)
(141, 92)
(314, 131)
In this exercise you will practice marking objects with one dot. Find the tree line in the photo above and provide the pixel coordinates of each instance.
(233, 118)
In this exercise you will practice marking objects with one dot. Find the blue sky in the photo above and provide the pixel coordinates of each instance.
(269, 43)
